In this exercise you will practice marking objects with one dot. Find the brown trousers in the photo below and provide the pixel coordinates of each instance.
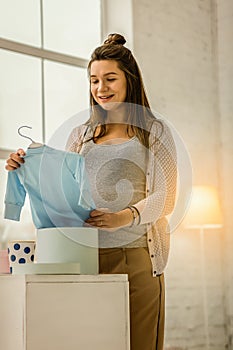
(147, 305)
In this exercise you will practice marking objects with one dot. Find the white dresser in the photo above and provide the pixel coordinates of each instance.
(64, 312)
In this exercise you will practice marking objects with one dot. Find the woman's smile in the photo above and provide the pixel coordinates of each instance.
(105, 98)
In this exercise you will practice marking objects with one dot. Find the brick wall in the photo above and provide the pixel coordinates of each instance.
(225, 78)
(185, 51)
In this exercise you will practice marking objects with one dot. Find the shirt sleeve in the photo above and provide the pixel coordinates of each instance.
(162, 178)
(14, 197)
(74, 144)
(85, 199)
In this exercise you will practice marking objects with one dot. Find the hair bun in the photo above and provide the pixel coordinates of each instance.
(115, 39)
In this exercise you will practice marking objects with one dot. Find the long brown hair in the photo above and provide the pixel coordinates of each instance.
(140, 116)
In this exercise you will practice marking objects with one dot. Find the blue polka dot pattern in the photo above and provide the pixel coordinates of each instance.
(22, 261)
(21, 253)
(27, 250)
(16, 246)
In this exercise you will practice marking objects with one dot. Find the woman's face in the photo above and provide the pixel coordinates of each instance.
(108, 83)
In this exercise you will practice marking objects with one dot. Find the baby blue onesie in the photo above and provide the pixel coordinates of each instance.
(57, 185)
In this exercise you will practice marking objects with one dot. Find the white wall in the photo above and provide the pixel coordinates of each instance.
(225, 75)
(184, 50)
(117, 18)
(174, 46)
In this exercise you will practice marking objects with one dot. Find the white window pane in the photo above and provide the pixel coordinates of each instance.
(20, 98)
(20, 21)
(66, 94)
(72, 26)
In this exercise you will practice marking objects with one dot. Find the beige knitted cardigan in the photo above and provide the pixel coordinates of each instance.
(161, 180)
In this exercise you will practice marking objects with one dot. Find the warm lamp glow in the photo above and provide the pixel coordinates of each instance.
(204, 212)
(204, 209)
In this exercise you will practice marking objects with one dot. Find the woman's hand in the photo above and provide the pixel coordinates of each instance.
(15, 159)
(108, 221)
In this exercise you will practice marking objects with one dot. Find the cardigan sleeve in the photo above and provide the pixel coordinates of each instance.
(161, 177)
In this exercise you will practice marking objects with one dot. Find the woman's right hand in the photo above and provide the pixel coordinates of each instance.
(15, 159)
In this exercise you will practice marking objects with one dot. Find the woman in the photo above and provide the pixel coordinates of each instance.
(131, 162)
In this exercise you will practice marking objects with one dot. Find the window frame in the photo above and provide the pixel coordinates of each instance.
(43, 54)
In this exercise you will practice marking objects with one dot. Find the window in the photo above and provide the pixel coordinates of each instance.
(45, 46)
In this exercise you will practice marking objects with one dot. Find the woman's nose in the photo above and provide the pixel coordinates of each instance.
(102, 86)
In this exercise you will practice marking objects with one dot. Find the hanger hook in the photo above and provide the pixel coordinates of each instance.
(26, 137)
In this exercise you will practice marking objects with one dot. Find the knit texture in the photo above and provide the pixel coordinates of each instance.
(161, 181)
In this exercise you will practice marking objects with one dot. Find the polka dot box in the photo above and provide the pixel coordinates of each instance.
(21, 252)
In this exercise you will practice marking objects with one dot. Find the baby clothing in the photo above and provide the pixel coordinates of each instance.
(58, 188)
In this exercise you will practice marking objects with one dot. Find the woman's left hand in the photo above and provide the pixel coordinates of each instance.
(108, 221)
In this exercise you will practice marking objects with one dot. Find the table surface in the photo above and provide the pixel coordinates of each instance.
(66, 278)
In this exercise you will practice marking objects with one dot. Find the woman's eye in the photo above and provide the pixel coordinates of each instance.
(111, 79)
(94, 81)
